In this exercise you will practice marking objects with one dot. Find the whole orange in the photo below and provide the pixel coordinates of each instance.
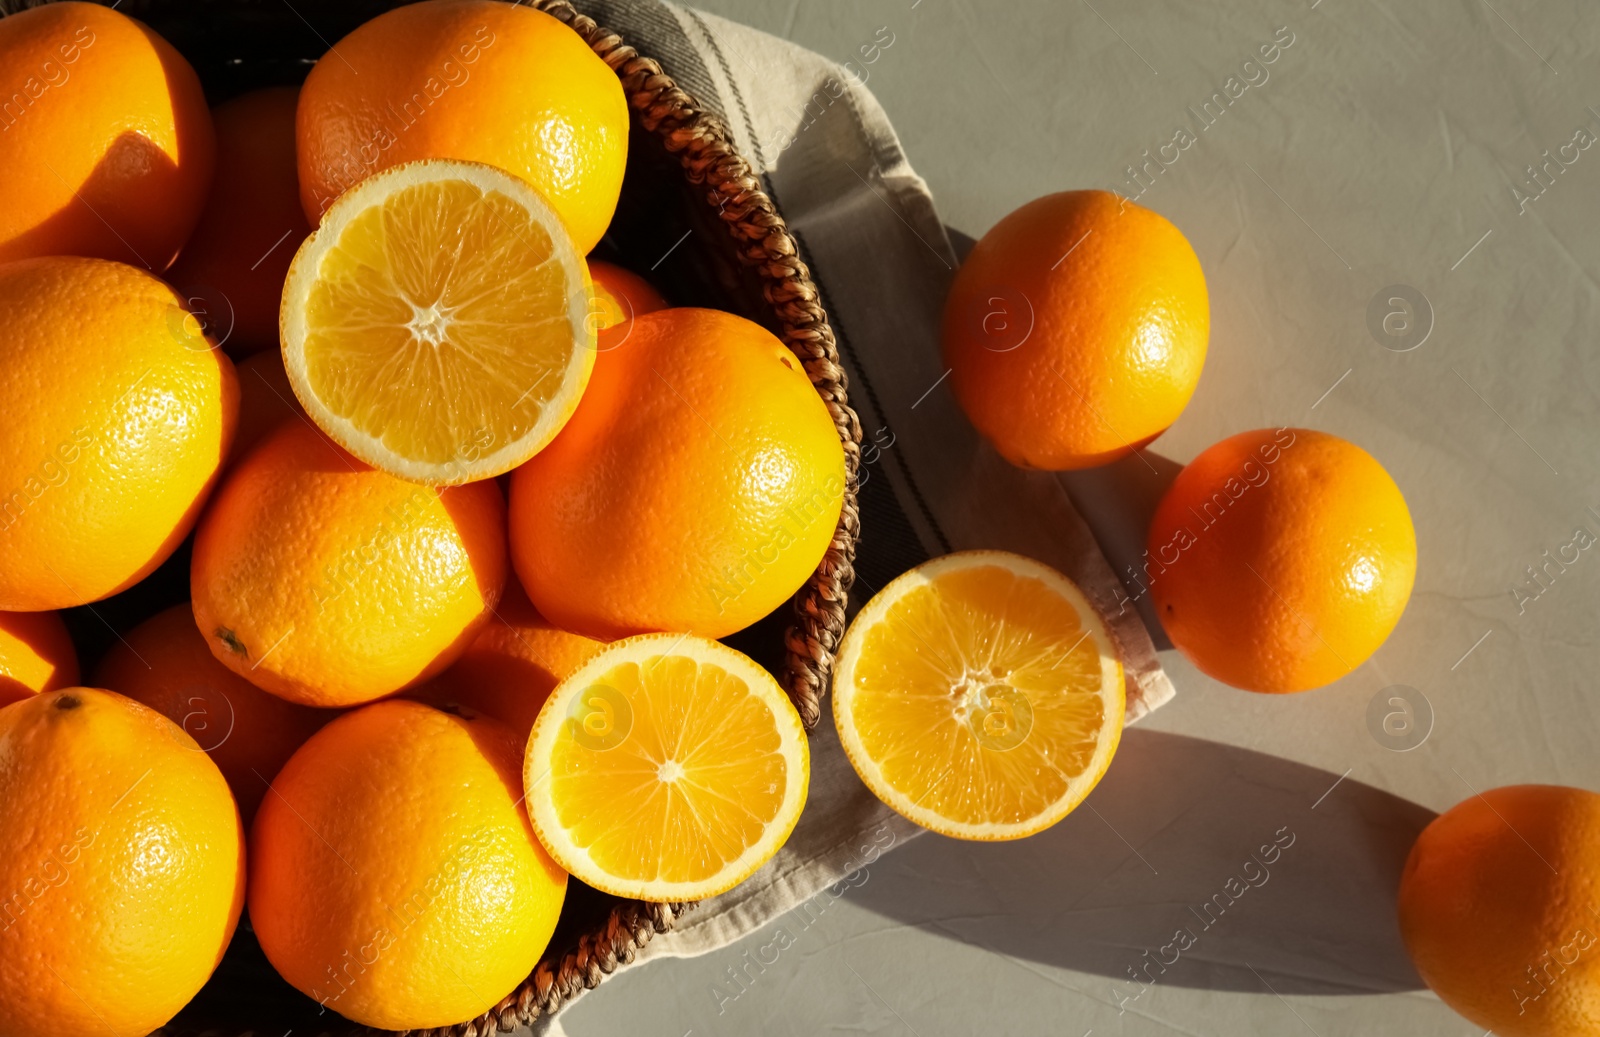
(1499, 907)
(105, 142)
(164, 663)
(468, 79)
(36, 654)
(266, 399)
(1280, 559)
(695, 488)
(232, 268)
(118, 415)
(394, 877)
(620, 294)
(121, 865)
(1076, 330)
(330, 583)
(513, 664)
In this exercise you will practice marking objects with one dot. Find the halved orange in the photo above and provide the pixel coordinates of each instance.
(979, 695)
(435, 324)
(669, 767)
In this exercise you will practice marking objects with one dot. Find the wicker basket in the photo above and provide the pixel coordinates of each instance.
(683, 172)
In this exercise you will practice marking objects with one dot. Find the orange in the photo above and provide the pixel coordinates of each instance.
(165, 664)
(118, 416)
(436, 325)
(468, 79)
(979, 695)
(1500, 910)
(1280, 559)
(36, 654)
(695, 488)
(329, 583)
(105, 142)
(393, 875)
(513, 664)
(666, 768)
(266, 400)
(234, 264)
(1076, 330)
(121, 866)
(620, 295)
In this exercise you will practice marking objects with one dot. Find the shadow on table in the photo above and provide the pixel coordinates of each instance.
(1192, 864)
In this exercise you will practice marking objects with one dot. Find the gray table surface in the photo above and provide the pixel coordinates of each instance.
(1387, 145)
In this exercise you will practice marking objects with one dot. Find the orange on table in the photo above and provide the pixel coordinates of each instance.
(436, 325)
(107, 146)
(979, 695)
(696, 487)
(513, 664)
(1076, 329)
(118, 416)
(696, 743)
(394, 877)
(478, 80)
(266, 400)
(123, 864)
(235, 261)
(1498, 908)
(1280, 559)
(165, 664)
(330, 583)
(36, 654)
(620, 294)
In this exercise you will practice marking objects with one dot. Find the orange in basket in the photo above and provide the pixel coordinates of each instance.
(696, 487)
(36, 654)
(621, 295)
(122, 862)
(393, 875)
(478, 80)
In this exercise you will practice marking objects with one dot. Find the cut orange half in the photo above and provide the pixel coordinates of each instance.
(667, 768)
(979, 695)
(435, 324)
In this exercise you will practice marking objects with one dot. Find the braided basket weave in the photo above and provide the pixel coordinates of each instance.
(682, 168)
